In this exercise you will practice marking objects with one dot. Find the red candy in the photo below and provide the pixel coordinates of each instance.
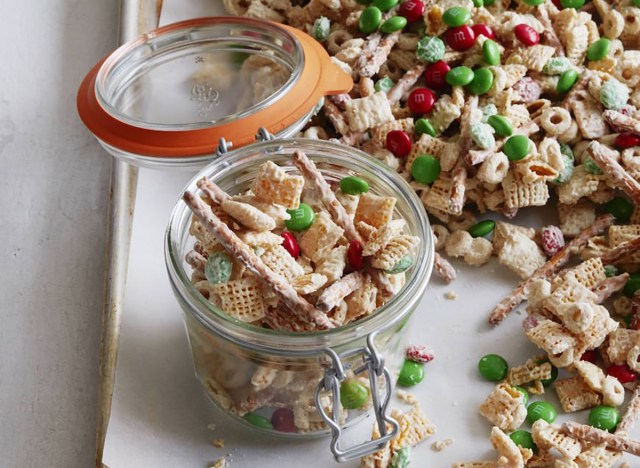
(484, 30)
(354, 254)
(290, 244)
(421, 100)
(590, 356)
(528, 89)
(552, 240)
(412, 10)
(557, 4)
(622, 373)
(527, 35)
(419, 353)
(627, 140)
(282, 420)
(434, 74)
(460, 38)
(399, 143)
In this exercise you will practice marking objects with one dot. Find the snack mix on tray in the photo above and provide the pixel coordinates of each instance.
(494, 106)
(294, 254)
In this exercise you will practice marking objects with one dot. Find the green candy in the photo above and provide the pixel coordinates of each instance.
(599, 49)
(557, 66)
(353, 185)
(364, 2)
(610, 270)
(572, 3)
(566, 81)
(591, 167)
(301, 218)
(541, 410)
(525, 393)
(554, 374)
(482, 135)
(619, 207)
(482, 228)
(488, 2)
(567, 159)
(353, 394)
(517, 147)
(218, 268)
(258, 420)
(321, 28)
(501, 125)
(456, 16)
(478, 3)
(488, 111)
(459, 76)
(493, 367)
(524, 440)
(614, 95)
(482, 81)
(412, 373)
(424, 126)
(425, 169)
(632, 284)
(385, 5)
(369, 20)
(491, 52)
(401, 266)
(534, 2)
(636, 3)
(401, 458)
(384, 84)
(393, 24)
(627, 320)
(604, 417)
(430, 49)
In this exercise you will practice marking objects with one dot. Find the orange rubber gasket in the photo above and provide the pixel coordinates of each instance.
(320, 77)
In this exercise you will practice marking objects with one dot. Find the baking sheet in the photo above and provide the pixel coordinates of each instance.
(160, 416)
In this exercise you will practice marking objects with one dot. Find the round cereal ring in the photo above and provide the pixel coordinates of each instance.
(336, 40)
(537, 107)
(441, 234)
(613, 24)
(629, 73)
(494, 168)
(391, 70)
(570, 135)
(631, 21)
(555, 120)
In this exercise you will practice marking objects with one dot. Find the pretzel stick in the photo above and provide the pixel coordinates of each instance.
(443, 268)
(351, 138)
(369, 64)
(635, 311)
(622, 122)
(605, 159)
(211, 190)
(551, 267)
(279, 319)
(621, 251)
(549, 33)
(608, 286)
(335, 117)
(196, 260)
(631, 415)
(339, 290)
(310, 172)
(615, 442)
(459, 176)
(238, 249)
(255, 399)
(475, 157)
(404, 84)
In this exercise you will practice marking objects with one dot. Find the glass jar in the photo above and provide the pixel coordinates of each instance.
(167, 98)
(249, 371)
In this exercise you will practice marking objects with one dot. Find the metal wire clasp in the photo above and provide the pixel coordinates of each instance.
(224, 146)
(373, 362)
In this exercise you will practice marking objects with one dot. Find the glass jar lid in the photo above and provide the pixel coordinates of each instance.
(174, 92)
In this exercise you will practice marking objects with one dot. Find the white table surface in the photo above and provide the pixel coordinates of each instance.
(52, 229)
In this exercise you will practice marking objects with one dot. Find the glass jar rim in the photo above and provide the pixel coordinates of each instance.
(307, 343)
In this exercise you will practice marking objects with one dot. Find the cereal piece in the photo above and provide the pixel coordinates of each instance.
(504, 231)
(575, 218)
(374, 210)
(219, 463)
(219, 394)
(588, 115)
(263, 239)
(241, 299)
(333, 264)
(382, 236)
(441, 234)
(419, 353)
(479, 252)
(521, 255)
(620, 343)
(575, 395)
(504, 407)
(551, 337)
(414, 428)
(597, 456)
(619, 235)
(548, 436)
(368, 112)
(440, 445)
(379, 133)
(443, 268)
(281, 262)
(518, 194)
(581, 184)
(606, 161)
(398, 248)
(361, 302)
(528, 372)
(308, 283)
(508, 452)
(339, 290)
(321, 237)
(555, 120)
(274, 185)
(249, 216)
(609, 387)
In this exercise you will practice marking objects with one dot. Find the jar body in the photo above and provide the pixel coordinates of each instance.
(252, 372)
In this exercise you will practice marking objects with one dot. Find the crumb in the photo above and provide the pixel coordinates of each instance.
(219, 463)
(218, 443)
(211, 427)
(407, 397)
(451, 295)
(625, 465)
(440, 445)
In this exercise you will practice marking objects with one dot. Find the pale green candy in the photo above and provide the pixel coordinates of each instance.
(320, 29)
(218, 268)
(430, 49)
(614, 95)
(403, 265)
(557, 66)
(591, 167)
(567, 171)
(488, 111)
(482, 135)
(401, 458)
(384, 84)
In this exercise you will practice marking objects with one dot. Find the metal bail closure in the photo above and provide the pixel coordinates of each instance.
(373, 362)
